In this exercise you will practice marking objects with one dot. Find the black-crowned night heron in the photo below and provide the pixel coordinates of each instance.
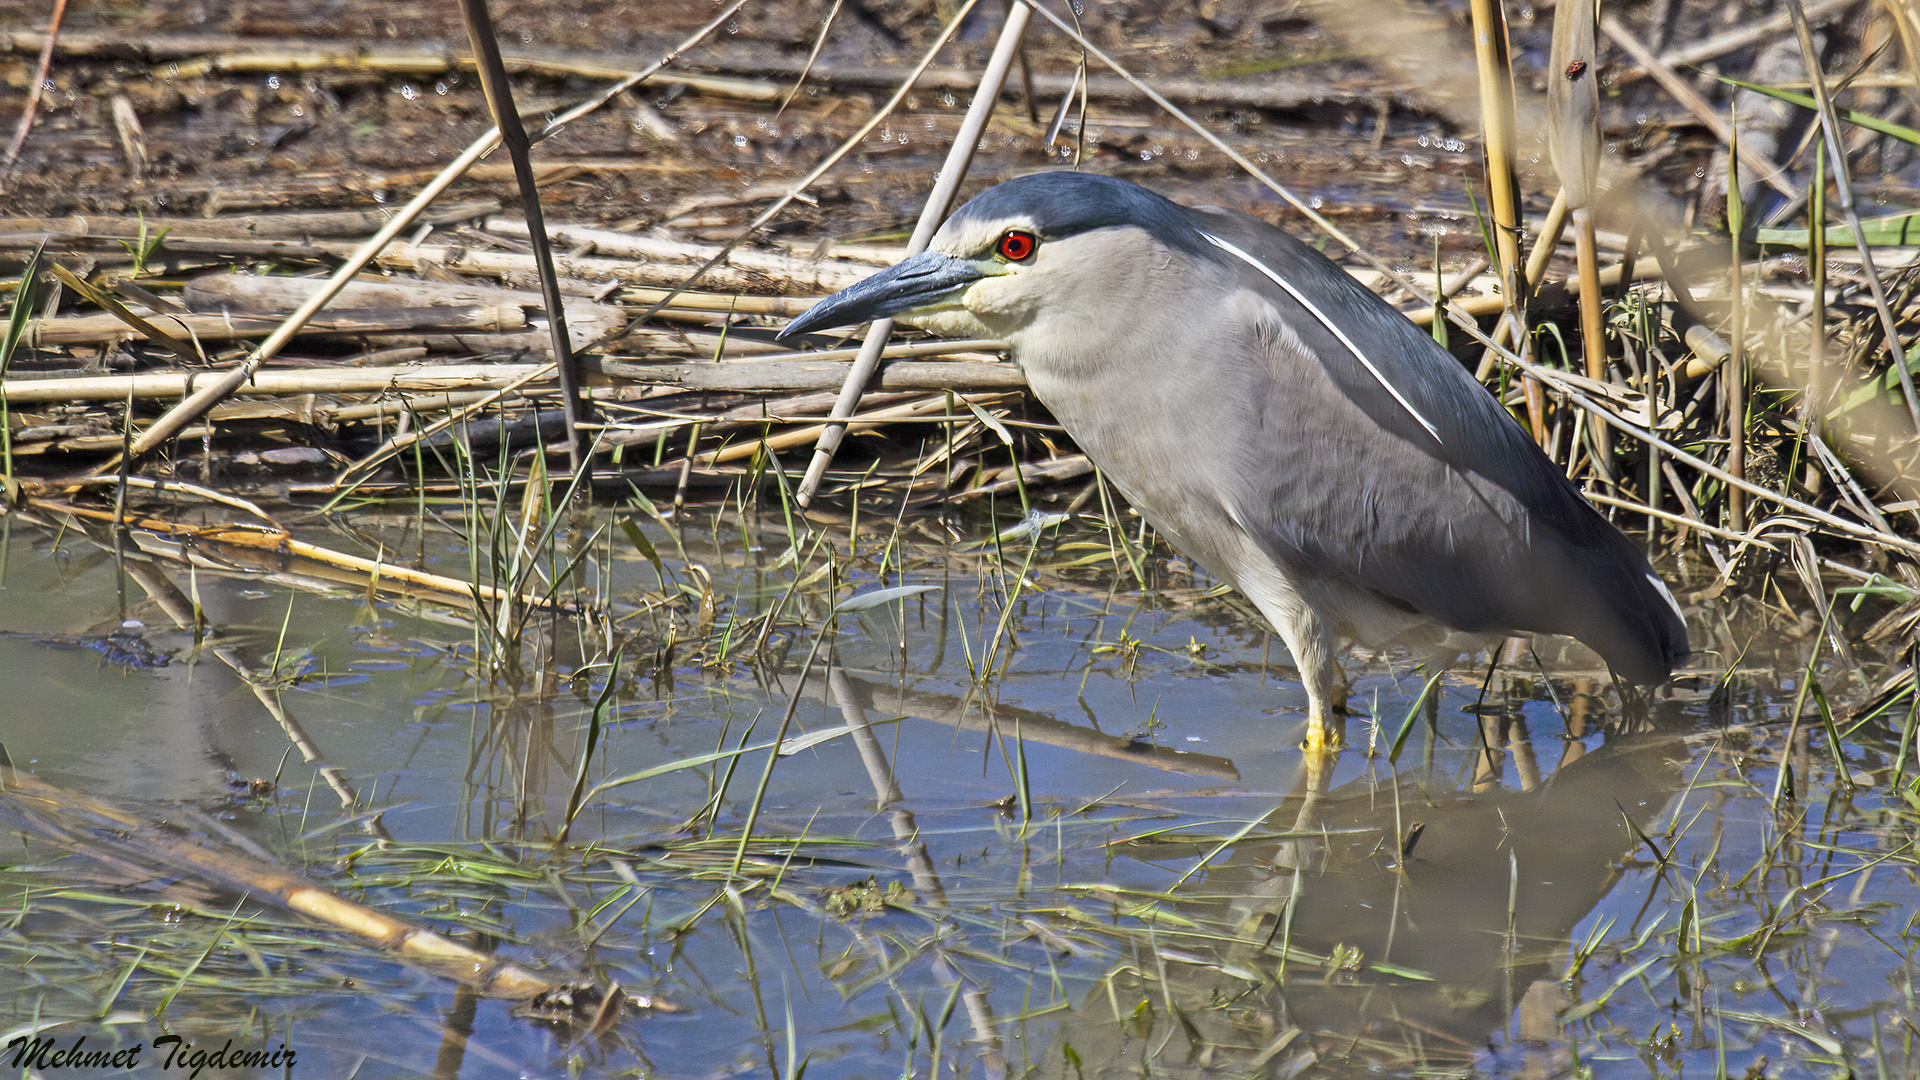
(1281, 425)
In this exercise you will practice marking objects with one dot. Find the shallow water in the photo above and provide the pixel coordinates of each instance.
(1101, 857)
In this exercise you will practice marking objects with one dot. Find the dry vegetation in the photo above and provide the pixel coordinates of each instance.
(165, 258)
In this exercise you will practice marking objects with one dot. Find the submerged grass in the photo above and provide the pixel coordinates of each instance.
(1167, 968)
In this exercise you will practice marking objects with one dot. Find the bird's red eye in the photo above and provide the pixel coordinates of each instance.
(1016, 246)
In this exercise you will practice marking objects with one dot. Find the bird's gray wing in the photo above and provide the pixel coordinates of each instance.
(1383, 463)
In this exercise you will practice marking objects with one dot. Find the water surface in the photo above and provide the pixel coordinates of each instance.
(1035, 820)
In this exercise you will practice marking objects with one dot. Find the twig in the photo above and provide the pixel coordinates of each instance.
(932, 213)
(1738, 38)
(197, 405)
(32, 107)
(1553, 378)
(1708, 117)
(164, 486)
(90, 826)
(1843, 190)
(372, 380)
(506, 120)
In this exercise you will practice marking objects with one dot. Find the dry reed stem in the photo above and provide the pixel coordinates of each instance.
(201, 54)
(394, 446)
(768, 376)
(413, 379)
(414, 62)
(481, 35)
(123, 324)
(932, 212)
(783, 273)
(186, 615)
(159, 487)
(303, 224)
(1499, 146)
(669, 275)
(196, 405)
(772, 374)
(1573, 145)
(88, 825)
(270, 548)
(138, 325)
(1839, 524)
(720, 279)
(263, 294)
(792, 439)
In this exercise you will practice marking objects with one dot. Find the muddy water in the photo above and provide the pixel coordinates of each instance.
(1100, 857)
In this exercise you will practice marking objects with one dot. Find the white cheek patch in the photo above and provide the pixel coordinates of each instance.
(994, 293)
(949, 322)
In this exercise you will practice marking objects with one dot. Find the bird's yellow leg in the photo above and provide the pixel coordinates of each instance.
(1326, 690)
(1326, 728)
(1311, 644)
(1326, 706)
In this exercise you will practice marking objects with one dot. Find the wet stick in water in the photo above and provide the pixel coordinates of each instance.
(83, 824)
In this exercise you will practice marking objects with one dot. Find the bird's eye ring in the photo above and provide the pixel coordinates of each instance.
(1016, 245)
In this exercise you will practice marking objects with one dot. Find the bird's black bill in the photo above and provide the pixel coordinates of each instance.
(921, 281)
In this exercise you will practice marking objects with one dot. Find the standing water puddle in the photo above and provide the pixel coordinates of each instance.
(1052, 826)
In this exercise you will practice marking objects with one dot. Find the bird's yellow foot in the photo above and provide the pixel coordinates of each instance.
(1325, 734)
